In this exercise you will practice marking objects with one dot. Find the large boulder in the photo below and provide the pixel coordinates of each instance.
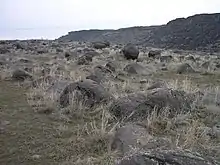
(130, 52)
(126, 108)
(136, 107)
(177, 101)
(167, 157)
(185, 68)
(87, 91)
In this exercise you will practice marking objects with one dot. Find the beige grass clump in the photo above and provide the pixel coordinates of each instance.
(184, 130)
(5, 74)
(40, 100)
(186, 85)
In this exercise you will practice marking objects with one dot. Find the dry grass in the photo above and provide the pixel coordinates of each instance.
(185, 131)
(5, 73)
(90, 130)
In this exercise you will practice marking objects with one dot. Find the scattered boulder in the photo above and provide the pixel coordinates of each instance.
(206, 64)
(101, 45)
(101, 70)
(135, 68)
(216, 131)
(181, 58)
(67, 55)
(61, 92)
(125, 107)
(169, 157)
(88, 91)
(59, 50)
(4, 50)
(128, 137)
(20, 75)
(42, 51)
(92, 53)
(96, 78)
(46, 71)
(166, 58)
(43, 80)
(130, 52)
(185, 68)
(154, 54)
(111, 66)
(3, 61)
(217, 65)
(158, 84)
(211, 98)
(137, 107)
(84, 60)
(177, 101)
(190, 58)
(19, 45)
(92, 92)
(24, 60)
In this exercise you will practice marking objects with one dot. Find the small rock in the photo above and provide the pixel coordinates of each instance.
(135, 68)
(128, 137)
(111, 66)
(185, 68)
(101, 45)
(84, 60)
(36, 156)
(166, 58)
(216, 131)
(190, 58)
(159, 84)
(20, 75)
(156, 54)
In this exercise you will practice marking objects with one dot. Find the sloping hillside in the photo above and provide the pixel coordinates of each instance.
(198, 32)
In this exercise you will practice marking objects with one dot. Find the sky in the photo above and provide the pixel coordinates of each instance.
(50, 19)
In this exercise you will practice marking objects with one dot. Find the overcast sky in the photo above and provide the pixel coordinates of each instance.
(21, 19)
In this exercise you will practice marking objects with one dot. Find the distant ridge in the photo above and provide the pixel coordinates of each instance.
(197, 32)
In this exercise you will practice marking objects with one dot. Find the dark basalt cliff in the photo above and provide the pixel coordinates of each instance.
(197, 32)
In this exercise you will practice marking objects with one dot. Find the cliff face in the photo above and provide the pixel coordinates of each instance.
(198, 32)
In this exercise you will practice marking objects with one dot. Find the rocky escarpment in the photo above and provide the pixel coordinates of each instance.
(197, 32)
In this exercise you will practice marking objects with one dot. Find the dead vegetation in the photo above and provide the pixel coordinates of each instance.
(92, 127)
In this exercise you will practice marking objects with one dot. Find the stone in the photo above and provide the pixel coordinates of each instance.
(167, 157)
(135, 68)
(88, 91)
(21, 75)
(128, 137)
(137, 107)
(101, 45)
(130, 52)
(156, 54)
(185, 68)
